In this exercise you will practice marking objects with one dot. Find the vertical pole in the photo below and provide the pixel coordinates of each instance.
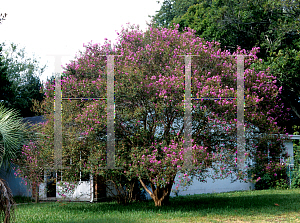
(290, 175)
(80, 168)
(57, 123)
(57, 113)
(187, 115)
(240, 113)
(110, 113)
(91, 188)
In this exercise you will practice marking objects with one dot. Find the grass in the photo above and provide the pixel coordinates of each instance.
(246, 206)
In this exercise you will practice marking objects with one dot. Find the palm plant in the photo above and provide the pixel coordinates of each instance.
(13, 134)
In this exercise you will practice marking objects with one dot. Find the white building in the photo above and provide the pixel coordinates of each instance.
(85, 192)
(91, 189)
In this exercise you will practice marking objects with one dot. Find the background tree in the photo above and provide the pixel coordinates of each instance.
(25, 85)
(271, 25)
(5, 85)
(171, 9)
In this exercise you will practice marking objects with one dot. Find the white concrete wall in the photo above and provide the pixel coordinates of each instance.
(42, 191)
(289, 149)
(218, 186)
(82, 192)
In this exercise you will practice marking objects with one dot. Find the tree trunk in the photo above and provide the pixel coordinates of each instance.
(132, 191)
(160, 195)
(7, 204)
(37, 197)
(35, 192)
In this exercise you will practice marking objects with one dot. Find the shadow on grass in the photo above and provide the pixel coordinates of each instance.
(252, 200)
(102, 220)
(247, 203)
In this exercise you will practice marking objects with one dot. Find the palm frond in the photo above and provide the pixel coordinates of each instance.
(13, 134)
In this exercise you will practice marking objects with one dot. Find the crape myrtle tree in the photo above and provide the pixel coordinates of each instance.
(31, 163)
(149, 112)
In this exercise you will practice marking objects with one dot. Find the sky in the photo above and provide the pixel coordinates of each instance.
(47, 28)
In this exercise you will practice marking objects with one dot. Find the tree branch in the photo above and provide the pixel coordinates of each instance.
(149, 192)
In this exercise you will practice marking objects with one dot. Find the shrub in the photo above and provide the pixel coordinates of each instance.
(272, 175)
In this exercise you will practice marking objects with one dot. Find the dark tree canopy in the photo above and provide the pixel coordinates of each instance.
(171, 9)
(21, 83)
(5, 84)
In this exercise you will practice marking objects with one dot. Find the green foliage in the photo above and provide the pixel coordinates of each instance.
(272, 25)
(272, 175)
(295, 179)
(25, 85)
(5, 84)
(247, 24)
(281, 184)
(205, 19)
(12, 135)
(295, 172)
(171, 9)
(284, 63)
(283, 173)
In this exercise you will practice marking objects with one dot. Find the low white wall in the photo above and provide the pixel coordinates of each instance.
(289, 149)
(218, 186)
(224, 185)
(42, 191)
(81, 193)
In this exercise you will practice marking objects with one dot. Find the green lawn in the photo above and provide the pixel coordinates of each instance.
(247, 206)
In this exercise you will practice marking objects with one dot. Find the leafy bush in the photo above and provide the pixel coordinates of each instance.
(294, 173)
(272, 175)
(295, 179)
